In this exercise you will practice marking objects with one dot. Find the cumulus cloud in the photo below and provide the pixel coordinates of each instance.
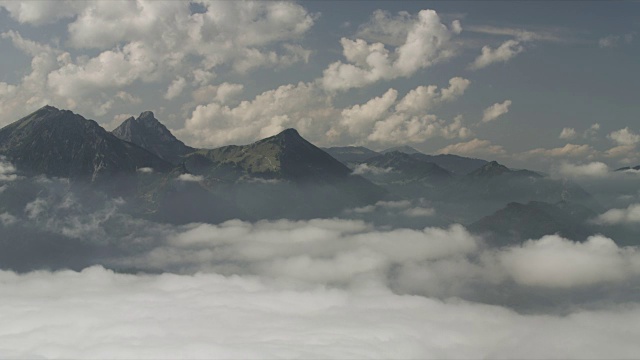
(176, 88)
(505, 52)
(116, 47)
(556, 262)
(381, 120)
(426, 42)
(473, 148)
(624, 137)
(495, 111)
(567, 133)
(630, 215)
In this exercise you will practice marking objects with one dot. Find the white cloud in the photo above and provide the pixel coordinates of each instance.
(40, 13)
(190, 178)
(306, 107)
(7, 170)
(149, 42)
(630, 215)
(495, 111)
(624, 137)
(505, 52)
(593, 169)
(473, 148)
(176, 88)
(145, 170)
(212, 316)
(362, 169)
(427, 41)
(567, 133)
(569, 150)
(423, 98)
(556, 262)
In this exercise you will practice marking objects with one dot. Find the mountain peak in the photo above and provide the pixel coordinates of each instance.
(403, 149)
(289, 133)
(146, 116)
(149, 133)
(491, 169)
(63, 144)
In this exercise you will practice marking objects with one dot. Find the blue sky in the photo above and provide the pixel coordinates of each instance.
(531, 84)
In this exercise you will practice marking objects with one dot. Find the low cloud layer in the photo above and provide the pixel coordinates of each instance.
(100, 314)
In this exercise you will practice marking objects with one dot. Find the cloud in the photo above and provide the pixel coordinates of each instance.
(7, 170)
(473, 148)
(362, 169)
(569, 150)
(115, 48)
(427, 41)
(190, 178)
(380, 120)
(212, 316)
(567, 133)
(495, 111)
(593, 169)
(37, 13)
(423, 98)
(224, 93)
(624, 137)
(551, 35)
(503, 53)
(615, 40)
(556, 262)
(419, 212)
(630, 215)
(176, 88)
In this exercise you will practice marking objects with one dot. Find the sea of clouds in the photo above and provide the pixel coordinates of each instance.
(320, 288)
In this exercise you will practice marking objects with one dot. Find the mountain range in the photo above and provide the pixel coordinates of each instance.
(282, 176)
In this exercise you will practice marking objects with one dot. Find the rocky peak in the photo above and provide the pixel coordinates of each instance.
(149, 133)
(491, 169)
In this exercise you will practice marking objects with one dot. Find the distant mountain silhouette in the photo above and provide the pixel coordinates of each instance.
(518, 222)
(456, 164)
(351, 154)
(404, 149)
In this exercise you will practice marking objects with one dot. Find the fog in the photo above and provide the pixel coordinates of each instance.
(97, 313)
(83, 277)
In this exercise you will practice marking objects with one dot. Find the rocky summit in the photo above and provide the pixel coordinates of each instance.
(60, 143)
(149, 133)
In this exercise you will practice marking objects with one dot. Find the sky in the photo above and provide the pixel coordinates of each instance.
(532, 84)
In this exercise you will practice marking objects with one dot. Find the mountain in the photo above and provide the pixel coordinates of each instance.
(629, 168)
(350, 154)
(495, 169)
(148, 133)
(282, 176)
(456, 164)
(403, 149)
(60, 143)
(286, 156)
(518, 222)
(406, 168)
